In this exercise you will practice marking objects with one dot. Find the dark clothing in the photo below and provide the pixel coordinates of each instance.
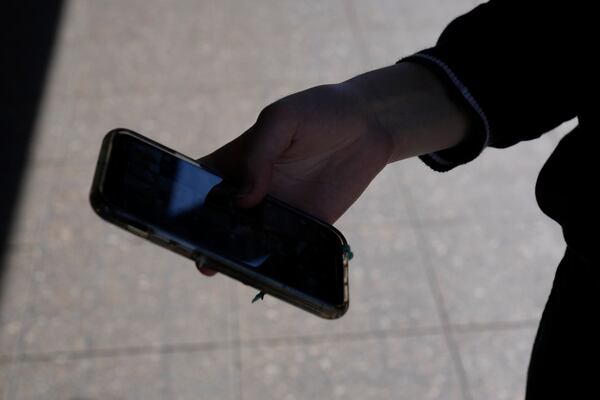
(522, 68)
(564, 361)
(529, 67)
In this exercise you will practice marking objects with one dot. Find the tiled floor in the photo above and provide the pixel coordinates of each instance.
(451, 270)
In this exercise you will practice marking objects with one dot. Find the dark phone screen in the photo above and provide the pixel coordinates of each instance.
(197, 206)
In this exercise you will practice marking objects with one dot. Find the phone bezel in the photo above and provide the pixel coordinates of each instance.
(213, 260)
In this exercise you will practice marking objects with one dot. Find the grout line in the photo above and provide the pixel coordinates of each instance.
(344, 337)
(423, 249)
(66, 355)
(494, 326)
(166, 374)
(262, 342)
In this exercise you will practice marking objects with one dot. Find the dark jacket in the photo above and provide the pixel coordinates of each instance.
(522, 68)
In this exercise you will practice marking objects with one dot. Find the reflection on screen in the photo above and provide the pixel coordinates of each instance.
(197, 207)
(190, 189)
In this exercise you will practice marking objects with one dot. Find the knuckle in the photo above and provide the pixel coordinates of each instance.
(274, 112)
(266, 114)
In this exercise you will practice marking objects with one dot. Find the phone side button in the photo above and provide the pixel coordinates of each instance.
(137, 231)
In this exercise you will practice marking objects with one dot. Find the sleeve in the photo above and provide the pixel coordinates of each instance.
(517, 67)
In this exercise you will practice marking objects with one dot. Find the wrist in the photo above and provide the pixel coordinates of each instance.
(414, 107)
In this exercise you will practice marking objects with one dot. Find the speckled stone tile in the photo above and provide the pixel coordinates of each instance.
(308, 41)
(132, 377)
(388, 291)
(399, 368)
(105, 294)
(394, 29)
(67, 218)
(31, 209)
(194, 121)
(383, 202)
(15, 293)
(210, 374)
(494, 271)
(7, 378)
(159, 45)
(204, 374)
(185, 121)
(118, 47)
(496, 362)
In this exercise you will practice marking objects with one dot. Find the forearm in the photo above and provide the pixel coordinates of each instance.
(414, 107)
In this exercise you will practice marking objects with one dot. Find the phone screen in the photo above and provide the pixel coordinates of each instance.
(196, 206)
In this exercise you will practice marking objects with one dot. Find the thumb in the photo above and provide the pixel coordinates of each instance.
(256, 183)
(268, 139)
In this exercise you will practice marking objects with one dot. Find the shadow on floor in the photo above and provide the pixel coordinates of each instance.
(27, 37)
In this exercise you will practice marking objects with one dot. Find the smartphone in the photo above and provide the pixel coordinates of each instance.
(173, 201)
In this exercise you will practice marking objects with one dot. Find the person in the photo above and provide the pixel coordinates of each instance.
(505, 72)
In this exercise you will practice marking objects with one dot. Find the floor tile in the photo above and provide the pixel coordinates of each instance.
(110, 295)
(134, 377)
(145, 46)
(383, 202)
(31, 207)
(202, 375)
(15, 292)
(64, 217)
(7, 374)
(496, 362)
(399, 368)
(392, 29)
(492, 272)
(193, 121)
(305, 41)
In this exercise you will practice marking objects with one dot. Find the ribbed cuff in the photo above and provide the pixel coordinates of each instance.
(477, 138)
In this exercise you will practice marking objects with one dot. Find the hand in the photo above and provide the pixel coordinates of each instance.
(319, 149)
(316, 150)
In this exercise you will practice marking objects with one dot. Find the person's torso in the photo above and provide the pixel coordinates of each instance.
(567, 188)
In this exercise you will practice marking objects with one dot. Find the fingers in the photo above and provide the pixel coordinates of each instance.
(227, 159)
(248, 160)
(207, 271)
(200, 264)
(257, 179)
(268, 140)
